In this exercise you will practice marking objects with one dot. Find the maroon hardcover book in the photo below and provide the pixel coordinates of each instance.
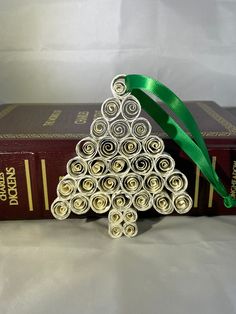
(37, 140)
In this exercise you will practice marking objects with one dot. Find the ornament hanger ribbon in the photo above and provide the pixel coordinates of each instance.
(194, 147)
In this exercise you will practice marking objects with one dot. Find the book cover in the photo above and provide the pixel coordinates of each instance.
(37, 140)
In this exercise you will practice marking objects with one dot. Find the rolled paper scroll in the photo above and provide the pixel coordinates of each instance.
(87, 148)
(121, 201)
(79, 204)
(118, 86)
(163, 203)
(100, 202)
(109, 183)
(132, 183)
(66, 187)
(130, 215)
(111, 108)
(182, 202)
(164, 164)
(99, 128)
(176, 182)
(142, 164)
(115, 230)
(153, 183)
(142, 201)
(115, 216)
(140, 128)
(130, 108)
(97, 167)
(60, 209)
(76, 167)
(119, 129)
(130, 147)
(130, 230)
(108, 147)
(153, 145)
(87, 185)
(119, 165)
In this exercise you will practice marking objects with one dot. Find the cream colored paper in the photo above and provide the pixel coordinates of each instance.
(121, 169)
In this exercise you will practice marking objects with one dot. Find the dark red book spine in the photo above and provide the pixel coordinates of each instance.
(28, 180)
(36, 141)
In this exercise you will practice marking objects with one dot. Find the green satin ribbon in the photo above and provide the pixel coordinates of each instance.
(194, 147)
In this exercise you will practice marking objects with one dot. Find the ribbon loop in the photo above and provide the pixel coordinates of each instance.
(229, 201)
(194, 147)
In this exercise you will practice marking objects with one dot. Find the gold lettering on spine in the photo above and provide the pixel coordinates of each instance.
(97, 114)
(82, 117)
(196, 191)
(233, 181)
(3, 193)
(45, 184)
(52, 118)
(28, 184)
(211, 191)
(12, 186)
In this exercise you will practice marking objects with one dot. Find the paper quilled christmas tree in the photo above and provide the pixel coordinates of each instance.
(121, 169)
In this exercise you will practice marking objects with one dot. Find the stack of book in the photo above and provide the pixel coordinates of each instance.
(37, 140)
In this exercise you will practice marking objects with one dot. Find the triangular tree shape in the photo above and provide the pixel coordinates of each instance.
(121, 169)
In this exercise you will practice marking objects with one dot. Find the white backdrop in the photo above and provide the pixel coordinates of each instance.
(69, 50)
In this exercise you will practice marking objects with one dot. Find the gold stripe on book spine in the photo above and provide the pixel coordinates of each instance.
(7, 110)
(196, 191)
(211, 191)
(28, 184)
(45, 184)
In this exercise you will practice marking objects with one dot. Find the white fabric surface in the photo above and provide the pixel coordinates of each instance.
(69, 50)
(176, 265)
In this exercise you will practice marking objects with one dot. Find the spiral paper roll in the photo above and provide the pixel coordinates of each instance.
(118, 86)
(163, 204)
(130, 147)
(76, 167)
(60, 209)
(109, 183)
(87, 148)
(79, 204)
(115, 231)
(132, 183)
(111, 108)
(119, 165)
(108, 147)
(130, 230)
(119, 129)
(115, 216)
(142, 201)
(182, 202)
(130, 215)
(176, 182)
(100, 202)
(130, 108)
(153, 145)
(121, 201)
(121, 168)
(99, 128)
(97, 167)
(66, 188)
(140, 128)
(142, 164)
(87, 185)
(153, 183)
(165, 164)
